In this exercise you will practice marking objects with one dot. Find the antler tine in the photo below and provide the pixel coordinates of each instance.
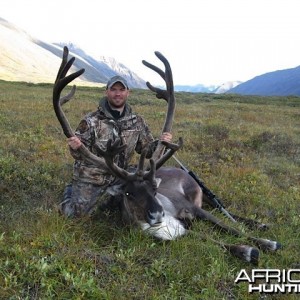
(112, 149)
(63, 63)
(150, 175)
(68, 97)
(168, 72)
(160, 94)
(167, 94)
(154, 68)
(140, 169)
(172, 148)
(63, 70)
(60, 83)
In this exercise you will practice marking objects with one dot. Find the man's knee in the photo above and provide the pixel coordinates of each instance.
(68, 191)
(66, 207)
(80, 199)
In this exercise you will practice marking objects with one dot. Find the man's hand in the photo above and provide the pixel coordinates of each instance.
(166, 137)
(74, 142)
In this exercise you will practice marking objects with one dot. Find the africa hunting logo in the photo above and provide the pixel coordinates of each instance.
(271, 281)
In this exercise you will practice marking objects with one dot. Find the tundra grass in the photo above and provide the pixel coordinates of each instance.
(245, 149)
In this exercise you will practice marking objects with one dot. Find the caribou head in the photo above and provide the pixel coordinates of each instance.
(139, 188)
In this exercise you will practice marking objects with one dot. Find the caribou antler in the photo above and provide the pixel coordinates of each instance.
(167, 94)
(172, 148)
(60, 83)
(113, 149)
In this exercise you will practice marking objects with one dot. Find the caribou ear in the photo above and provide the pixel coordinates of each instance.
(158, 181)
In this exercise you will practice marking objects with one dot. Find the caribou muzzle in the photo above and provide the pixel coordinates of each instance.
(155, 218)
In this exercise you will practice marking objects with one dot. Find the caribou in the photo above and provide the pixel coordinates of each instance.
(163, 201)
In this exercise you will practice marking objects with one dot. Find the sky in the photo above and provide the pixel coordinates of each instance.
(205, 41)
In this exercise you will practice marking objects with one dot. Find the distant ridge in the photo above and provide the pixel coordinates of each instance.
(278, 83)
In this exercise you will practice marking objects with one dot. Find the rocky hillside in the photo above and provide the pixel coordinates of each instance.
(24, 58)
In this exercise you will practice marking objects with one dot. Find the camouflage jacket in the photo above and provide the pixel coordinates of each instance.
(100, 126)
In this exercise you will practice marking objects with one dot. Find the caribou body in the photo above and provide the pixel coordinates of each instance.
(161, 200)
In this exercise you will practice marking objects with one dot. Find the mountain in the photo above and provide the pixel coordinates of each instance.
(24, 58)
(278, 83)
(21, 59)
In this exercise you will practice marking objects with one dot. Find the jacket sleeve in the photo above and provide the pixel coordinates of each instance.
(145, 139)
(83, 132)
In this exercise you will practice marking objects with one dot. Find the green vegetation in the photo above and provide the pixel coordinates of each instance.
(246, 149)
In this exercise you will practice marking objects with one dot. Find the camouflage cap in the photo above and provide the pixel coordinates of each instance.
(115, 79)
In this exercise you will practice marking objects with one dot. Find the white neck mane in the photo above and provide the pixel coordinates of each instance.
(170, 228)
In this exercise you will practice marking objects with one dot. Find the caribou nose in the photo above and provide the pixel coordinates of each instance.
(155, 218)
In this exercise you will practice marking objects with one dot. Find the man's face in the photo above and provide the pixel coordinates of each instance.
(117, 95)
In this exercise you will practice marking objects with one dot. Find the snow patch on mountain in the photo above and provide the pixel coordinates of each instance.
(226, 86)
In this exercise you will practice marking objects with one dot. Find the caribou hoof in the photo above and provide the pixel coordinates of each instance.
(245, 252)
(268, 245)
(253, 256)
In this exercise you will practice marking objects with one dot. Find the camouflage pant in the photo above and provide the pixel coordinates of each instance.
(80, 199)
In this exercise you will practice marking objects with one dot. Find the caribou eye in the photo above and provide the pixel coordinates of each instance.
(127, 194)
